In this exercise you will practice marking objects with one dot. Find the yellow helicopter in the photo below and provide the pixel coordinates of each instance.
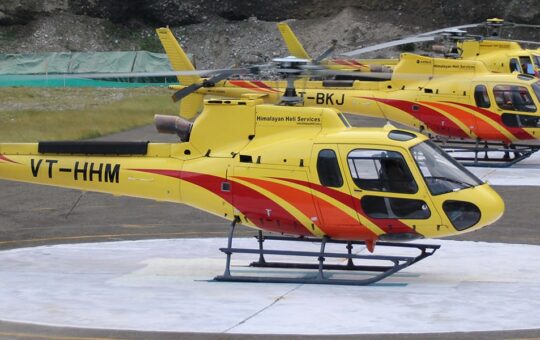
(296, 49)
(460, 99)
(299, 171)
(498, 54)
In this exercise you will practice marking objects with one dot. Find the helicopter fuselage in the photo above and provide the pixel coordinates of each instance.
(502, 56)
(291, 170)
(445, 97)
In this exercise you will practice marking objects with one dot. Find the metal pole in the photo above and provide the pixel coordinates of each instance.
(321, 258)
(349, 251)
(227, 272)
(261, 255)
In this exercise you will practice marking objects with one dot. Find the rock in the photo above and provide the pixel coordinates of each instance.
(223, 32)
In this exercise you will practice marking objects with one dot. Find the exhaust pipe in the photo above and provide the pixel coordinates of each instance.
(173, 125)
(441, 49)
(380, 68)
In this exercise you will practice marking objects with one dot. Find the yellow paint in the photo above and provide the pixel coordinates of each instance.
(233, 141)
(414, 79)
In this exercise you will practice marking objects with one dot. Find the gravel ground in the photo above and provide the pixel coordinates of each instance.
(219, 42)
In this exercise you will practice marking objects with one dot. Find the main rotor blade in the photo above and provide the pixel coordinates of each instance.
(121, 74)
(186, 91)
(326, 53)
(355, 75)
(426, 36)
(449, 29)
(514, 24)
(377, 47)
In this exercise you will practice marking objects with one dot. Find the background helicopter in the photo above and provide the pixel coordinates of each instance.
(296, 49)
(447, 97)
(497, 53)
(300, 171)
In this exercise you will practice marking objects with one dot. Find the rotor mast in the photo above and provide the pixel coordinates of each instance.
(291, 68)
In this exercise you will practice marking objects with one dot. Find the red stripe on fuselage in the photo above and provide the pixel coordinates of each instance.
(389, 225)
(4, 158)
(247, 85)
(348, 62)
(482, 128)
(263, 85)
(434, 120)
(259, 209)
(516, 131)
(343, 225)
(357, 63)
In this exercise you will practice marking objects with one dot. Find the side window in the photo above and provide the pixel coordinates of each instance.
(514, 65)
(512, 97)
(526, 65)
(481, 96)
(381, 170)
(328, 169)
(517, 120)
(389, 207)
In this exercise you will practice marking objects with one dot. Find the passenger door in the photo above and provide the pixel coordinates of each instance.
(388, 194)
(332, 196)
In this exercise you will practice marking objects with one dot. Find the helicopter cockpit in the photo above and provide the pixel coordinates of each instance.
(521, 99)
(419, 184)
(518, 98)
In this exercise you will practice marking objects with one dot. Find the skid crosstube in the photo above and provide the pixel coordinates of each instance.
(396, 263)
(479, 152)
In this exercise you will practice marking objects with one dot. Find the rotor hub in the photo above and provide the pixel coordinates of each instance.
(290, 65)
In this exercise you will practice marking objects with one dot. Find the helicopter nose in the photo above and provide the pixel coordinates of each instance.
(477, 208)
(491, 205)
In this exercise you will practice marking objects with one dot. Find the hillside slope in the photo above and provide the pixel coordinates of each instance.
(221, 33)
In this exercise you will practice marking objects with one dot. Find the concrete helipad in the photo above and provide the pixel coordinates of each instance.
(165, 285)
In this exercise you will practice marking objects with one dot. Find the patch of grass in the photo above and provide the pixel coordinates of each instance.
(151, 43)
(30, 115)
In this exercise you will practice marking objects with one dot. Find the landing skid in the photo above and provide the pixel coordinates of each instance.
(320, 274)
(487, 154)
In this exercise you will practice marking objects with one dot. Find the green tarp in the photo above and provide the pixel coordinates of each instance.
(44, 68)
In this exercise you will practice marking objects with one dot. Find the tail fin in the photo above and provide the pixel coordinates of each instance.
(191, 105)
(177, 57)
(293, 44)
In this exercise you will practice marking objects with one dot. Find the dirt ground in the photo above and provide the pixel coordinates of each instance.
(219, 42)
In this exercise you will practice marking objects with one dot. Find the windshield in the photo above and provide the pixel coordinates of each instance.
(440, 171)
(536, 60)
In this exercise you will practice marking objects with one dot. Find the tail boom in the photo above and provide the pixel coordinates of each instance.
(113, 174)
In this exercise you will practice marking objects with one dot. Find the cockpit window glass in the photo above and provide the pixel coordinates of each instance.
(513, 97)
(328, 169)
(440, 171)
(381, 170)
(393, 207)
(481, 96)
(514, 65)
(536, 60)
(520, 120)
(526, 65)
